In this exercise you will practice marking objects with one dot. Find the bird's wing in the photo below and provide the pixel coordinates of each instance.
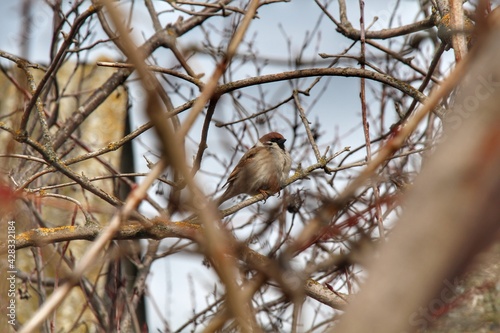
(246, 159)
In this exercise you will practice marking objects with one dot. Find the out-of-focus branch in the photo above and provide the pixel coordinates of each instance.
(204, 134)
(459, 39)
(92, 252)
(451, 214)
(140, 284)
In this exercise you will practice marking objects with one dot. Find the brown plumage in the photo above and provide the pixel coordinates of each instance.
(262, 169)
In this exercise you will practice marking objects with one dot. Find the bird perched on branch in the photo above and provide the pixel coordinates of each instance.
(264, 168)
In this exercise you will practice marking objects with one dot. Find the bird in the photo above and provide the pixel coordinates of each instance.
(264, 168)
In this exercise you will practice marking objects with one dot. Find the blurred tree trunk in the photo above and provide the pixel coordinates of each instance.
(39, 269)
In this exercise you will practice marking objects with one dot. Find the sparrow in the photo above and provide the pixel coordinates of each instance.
(264, 168)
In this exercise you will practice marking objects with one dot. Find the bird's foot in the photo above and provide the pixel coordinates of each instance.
(266, 194)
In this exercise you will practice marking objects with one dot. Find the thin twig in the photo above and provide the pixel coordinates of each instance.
(188, 78)
(366, 124)
(306, 126)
